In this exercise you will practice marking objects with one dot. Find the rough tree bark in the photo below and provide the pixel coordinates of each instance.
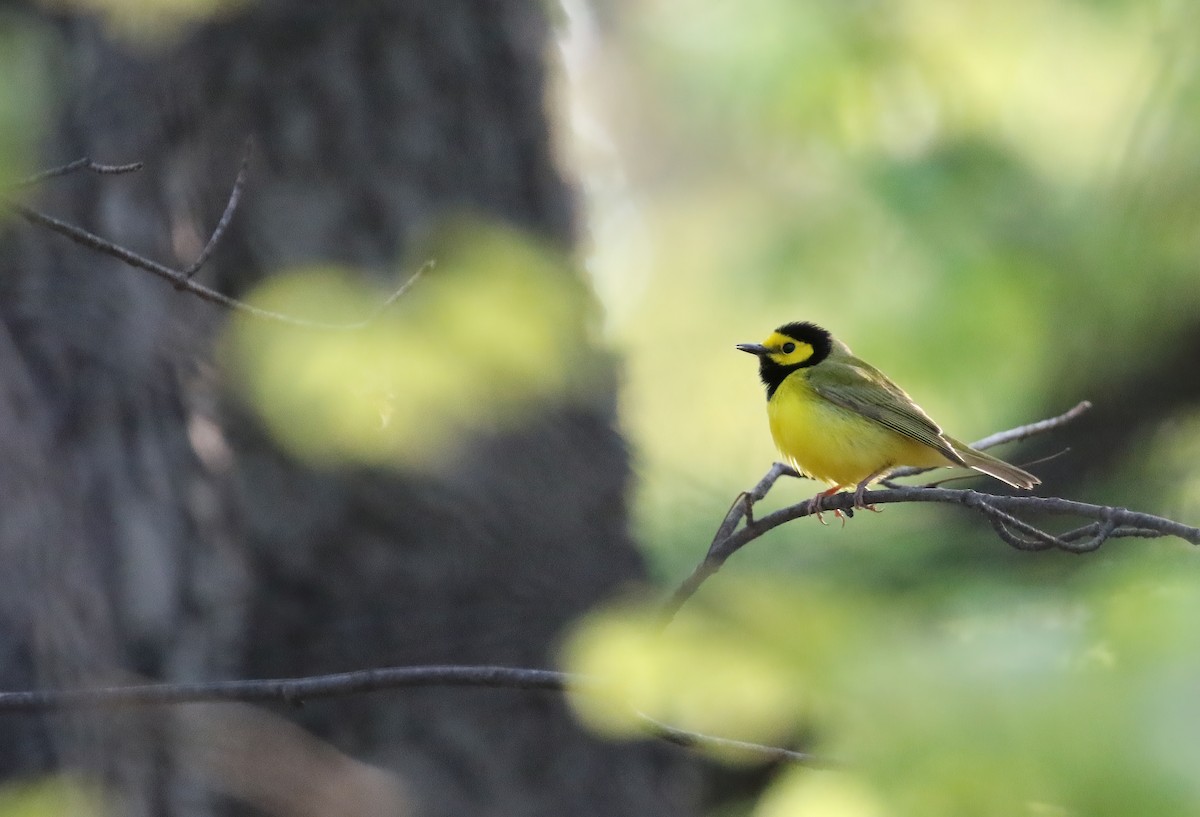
(149, 527)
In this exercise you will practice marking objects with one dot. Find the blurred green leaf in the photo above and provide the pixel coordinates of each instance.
(52, 796)
(495, 331)
(1008, 700)
(799, 793)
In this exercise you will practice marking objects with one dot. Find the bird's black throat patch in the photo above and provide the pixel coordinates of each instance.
(773, 373)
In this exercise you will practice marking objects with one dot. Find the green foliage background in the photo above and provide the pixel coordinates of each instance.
(997, 203)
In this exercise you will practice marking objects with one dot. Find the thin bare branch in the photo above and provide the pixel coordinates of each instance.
(296, 691)
(760, 751)
(1033, 429)
(1112, 523)
(182, 279)
(395, 296)
(1001, 511)
(1014, 540)
(95, 242)
(235, 196)
(688, 587)
(1011, 436)
(1090, 530)
(293, 691)
(742, 508)
(74, 167)
(1005, 523)
(1108, 529)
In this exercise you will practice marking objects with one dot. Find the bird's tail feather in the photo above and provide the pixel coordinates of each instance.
(991, 466)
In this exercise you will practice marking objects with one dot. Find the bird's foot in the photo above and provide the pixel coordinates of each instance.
(859, 501)
(818, 506)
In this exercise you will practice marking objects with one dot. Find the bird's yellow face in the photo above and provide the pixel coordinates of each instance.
(787, 351)
(790, 348)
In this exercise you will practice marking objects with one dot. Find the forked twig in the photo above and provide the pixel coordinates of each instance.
(183, 279)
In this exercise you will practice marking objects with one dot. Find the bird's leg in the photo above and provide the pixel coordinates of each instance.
(818, 505)
(862, 487)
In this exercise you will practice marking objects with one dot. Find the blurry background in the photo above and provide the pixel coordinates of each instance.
(994, 202)
(185, 495)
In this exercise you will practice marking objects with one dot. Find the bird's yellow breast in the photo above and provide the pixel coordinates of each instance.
(833, 444)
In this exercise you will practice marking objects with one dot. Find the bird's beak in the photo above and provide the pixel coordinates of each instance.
(754, 348)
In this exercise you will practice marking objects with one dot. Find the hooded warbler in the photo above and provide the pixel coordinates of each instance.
(840, 420)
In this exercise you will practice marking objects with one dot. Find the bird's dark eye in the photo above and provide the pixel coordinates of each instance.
(788, 348)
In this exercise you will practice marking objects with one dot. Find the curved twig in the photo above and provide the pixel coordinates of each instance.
(223, 222)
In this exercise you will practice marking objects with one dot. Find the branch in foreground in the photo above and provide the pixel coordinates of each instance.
(295, 691)
(1108, 522)
(182, 279)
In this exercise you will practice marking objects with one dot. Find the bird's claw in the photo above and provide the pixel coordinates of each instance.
(818, 507)
(819, 504)
(860, 502)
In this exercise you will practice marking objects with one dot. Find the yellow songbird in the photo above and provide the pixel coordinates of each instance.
(840, 420)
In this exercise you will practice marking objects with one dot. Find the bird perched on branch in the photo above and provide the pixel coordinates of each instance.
(840, 420)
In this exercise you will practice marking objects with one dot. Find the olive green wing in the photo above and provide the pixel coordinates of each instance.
(846, 381)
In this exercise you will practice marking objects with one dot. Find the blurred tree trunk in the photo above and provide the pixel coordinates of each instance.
(149, 526)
